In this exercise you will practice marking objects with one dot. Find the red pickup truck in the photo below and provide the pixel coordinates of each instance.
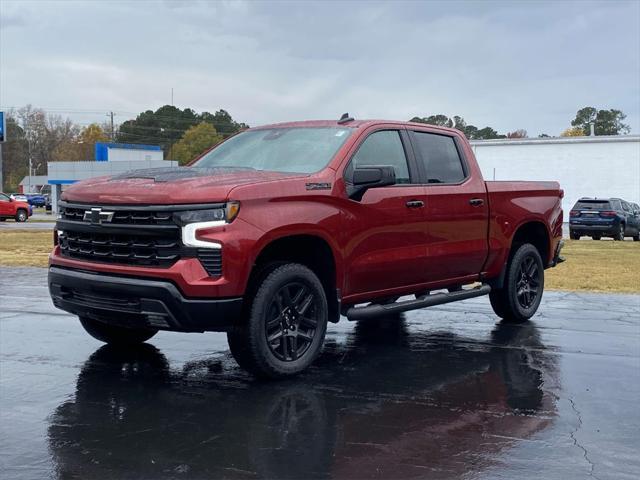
(283, 228)
(12, 208)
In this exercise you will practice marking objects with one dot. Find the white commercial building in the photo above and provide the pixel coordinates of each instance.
(607, 166)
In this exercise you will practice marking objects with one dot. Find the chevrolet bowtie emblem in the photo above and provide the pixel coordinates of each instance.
(96, 216)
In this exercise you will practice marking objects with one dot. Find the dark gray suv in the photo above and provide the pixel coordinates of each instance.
(604, 217)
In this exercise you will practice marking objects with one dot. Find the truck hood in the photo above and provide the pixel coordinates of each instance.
(168, 185)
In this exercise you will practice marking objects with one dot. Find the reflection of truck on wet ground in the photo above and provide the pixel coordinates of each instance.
(381, 404)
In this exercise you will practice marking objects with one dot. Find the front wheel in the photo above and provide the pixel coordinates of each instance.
(283, 330)
(519, 298)
(21, 216)
(114, 335)
(574, 235)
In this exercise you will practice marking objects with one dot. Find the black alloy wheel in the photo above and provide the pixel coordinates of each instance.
(282, 329)
(521, 293)
(528, 282)
(292, 321)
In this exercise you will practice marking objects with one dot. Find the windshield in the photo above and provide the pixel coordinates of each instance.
(300, 150)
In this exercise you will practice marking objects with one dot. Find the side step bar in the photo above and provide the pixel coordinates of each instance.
(377, 310)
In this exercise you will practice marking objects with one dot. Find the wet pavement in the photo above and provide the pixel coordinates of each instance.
(441, 393)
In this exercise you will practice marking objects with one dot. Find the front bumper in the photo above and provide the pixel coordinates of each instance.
(134, 302)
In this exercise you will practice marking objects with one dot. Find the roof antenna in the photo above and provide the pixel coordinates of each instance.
(345, 118)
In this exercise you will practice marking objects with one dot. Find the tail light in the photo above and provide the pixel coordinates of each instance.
(607, 213)
(574, 213)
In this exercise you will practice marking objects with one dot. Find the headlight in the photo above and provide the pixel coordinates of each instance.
(195, 220)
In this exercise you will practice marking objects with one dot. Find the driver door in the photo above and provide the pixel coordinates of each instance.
(385, 230)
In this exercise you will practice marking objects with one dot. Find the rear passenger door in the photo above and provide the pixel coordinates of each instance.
(385, 230)
(457, 208)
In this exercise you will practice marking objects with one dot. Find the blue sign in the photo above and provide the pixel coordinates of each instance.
(3, 127)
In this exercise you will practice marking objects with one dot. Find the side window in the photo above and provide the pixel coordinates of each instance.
(3, 197)
(383, 148)
(625, 206)
(440, 157)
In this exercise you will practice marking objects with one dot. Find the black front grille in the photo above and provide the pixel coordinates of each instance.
(120, 217)
(119, 248)
(144, 236)
(211, 260)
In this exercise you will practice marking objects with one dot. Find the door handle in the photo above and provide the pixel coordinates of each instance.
(415, 204)
(476, 202)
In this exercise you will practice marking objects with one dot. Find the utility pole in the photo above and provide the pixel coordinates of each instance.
(113, 133)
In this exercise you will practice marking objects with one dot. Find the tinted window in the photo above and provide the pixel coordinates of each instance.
(626, 207)
(383, 148)
(440, 158)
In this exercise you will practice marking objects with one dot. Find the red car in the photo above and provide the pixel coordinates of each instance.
(283, 228)
(10, 208)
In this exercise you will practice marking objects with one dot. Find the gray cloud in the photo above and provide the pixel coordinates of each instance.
(508, 65)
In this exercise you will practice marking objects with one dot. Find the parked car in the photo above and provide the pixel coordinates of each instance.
(36, 199)
(604, 217)
(13, 208)
(280, 229)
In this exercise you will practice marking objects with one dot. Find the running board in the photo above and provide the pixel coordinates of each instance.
(377, 310)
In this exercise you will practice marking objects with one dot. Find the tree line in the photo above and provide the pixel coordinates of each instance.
(183, 134)
(606, 122)
(46, 137)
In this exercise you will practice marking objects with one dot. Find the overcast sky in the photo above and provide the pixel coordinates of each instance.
(508, 65)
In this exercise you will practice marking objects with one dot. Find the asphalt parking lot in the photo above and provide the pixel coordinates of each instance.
(444, 393)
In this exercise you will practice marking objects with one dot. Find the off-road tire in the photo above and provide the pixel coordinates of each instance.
(506, 301)
(21, 215)
(115, 335)
(248, 340)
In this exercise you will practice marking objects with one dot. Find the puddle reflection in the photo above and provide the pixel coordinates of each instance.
(385, 404)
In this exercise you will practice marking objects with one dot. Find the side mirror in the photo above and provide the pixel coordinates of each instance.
(11, 199)
(366, 177)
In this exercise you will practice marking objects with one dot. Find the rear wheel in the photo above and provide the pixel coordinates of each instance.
(636, 238)
(115, 335)
(284, 327)
(21, 216)
(521, 294)
(596, 237)
(620, 233)
(574, 235)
